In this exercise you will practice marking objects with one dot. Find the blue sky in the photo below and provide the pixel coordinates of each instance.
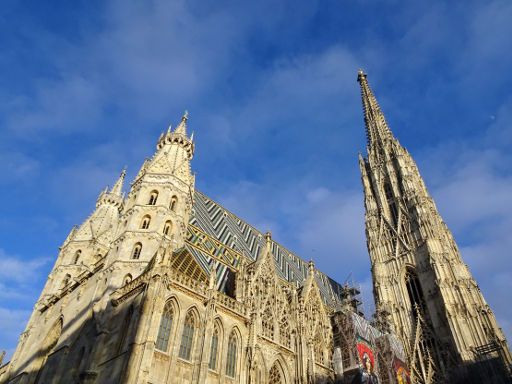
(86, 87)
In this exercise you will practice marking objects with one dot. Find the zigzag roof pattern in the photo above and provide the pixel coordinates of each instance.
(219, 223)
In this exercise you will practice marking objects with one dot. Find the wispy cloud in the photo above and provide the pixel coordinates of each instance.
(275, 107)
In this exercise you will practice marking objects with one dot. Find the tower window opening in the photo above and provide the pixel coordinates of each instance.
(174, 202)
(167, 227)
(415, 292)
(145, 222)
(153, 197)
(77, 256)
(136, 251)
(391, 202)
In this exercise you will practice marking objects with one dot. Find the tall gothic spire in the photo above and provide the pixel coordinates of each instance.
(377, 130)
(417, 269)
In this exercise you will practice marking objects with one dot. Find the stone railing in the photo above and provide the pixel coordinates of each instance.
(188, 282)
(231, 303)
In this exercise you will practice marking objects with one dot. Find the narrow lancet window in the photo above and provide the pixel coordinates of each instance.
(232, 355)
(77, 256)
(167, 227)
(153, 197)
(164, 332)
(174, 202)
(136, 251)
(187, 337)
(146, 220)
(213, 350)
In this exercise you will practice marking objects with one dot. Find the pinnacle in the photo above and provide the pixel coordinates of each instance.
(117, 189)
(182, 127)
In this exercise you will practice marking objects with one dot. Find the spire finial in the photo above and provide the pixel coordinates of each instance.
(361, 75)
(182, 127)
(117, 189)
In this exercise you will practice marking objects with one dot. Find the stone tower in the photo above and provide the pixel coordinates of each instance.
(421, 285)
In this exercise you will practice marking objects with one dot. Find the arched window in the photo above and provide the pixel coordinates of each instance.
(174, 202)
(153, 197)
(145, 222)
(77, 256)
(232, 355)
(187, 338)
(284, 332)
(267, 323)
(167, 227)
(164, 332)
(274, 376)
(213, 349)
(136, 251)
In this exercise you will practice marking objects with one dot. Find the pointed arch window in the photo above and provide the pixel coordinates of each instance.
(274, 376)
(187, 338)
(414, 291)
(164, 331)
(174, 202)
(146, 220)
(167, 227)
(137, 248)
(232, 355)
(153, 197)
(214, 349)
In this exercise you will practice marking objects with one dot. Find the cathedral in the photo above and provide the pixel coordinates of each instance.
(165, 285)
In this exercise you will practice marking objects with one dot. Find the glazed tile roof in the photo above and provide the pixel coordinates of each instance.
(217, 222)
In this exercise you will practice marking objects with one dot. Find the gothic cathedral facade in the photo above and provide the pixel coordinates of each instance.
(164, 285)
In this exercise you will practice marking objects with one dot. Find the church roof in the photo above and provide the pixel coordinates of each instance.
(219, 223)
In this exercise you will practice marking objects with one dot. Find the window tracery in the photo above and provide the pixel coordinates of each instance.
(274, 376)
(187, 337)
(284, 330)
(232, 355)
(267, 323)
(164, 331)
(213, 349)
